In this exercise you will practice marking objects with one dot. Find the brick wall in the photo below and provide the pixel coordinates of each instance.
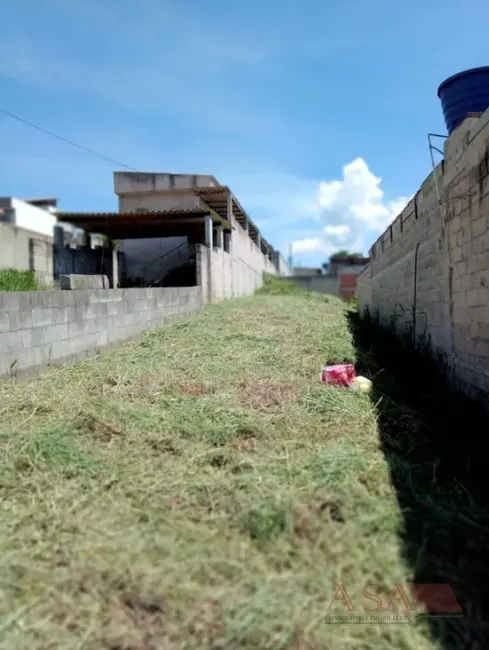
(431, 267)
(41, 328)
(347, 284)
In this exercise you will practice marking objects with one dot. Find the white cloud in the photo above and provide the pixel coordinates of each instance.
(353, 210)
(309, 245)
(337, 231)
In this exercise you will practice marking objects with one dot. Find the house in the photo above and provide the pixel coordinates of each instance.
(177, 230)
(34, 215)
(26, 235)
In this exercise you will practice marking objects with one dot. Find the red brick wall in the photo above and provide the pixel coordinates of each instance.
(347, 285)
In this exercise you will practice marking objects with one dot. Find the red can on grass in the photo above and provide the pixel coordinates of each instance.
(340, 374)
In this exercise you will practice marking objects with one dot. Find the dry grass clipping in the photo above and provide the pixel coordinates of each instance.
(197, 489)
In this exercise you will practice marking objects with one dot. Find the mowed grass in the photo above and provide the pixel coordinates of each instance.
(199, 488)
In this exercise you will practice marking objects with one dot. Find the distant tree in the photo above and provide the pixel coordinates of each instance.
(345, 254)
(340, 254)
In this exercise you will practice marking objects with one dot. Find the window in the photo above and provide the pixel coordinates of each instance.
(227, 241)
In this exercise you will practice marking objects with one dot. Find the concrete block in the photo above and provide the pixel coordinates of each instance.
(30, 357)
(111, 295)
(59, 351)
(95, 310)
(119, 307)
(5, 322)
(21, 320)
(11, 301)
(102, 338)
(45, 335)
(137, 305)
(42, 317)
(79, 281)
(77, 328)
(12, 341)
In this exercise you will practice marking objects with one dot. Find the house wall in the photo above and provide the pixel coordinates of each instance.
(27, 217)
(226, 275)
(306, 271)
(322, 283)
(283, 266)
(149, 183)
(430, 269)
(25, 250)
(49, 327)
(159, 201)
(222, 274)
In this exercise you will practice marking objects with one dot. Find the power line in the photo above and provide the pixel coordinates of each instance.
(73, 144)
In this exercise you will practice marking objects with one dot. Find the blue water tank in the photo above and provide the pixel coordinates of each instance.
(465, 92)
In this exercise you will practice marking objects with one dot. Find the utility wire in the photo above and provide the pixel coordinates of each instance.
(73, 144)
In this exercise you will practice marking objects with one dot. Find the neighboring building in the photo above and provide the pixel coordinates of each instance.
(305, 270)
(26, 235)
(181, 230)
(353, 265)
(34, 215)
(338, 277)
(347, 270)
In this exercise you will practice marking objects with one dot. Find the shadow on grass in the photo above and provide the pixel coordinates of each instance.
(436, 443)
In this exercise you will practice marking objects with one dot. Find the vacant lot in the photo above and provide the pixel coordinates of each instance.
(199, 488)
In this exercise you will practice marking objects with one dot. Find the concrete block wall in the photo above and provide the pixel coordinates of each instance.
(322, 283)
(432, 264)
(43, 328)
(222, 275)
(249, 263)
(412, 250)
(237, 273)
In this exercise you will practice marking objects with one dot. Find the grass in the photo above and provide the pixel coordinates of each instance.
(13, 280)
(200, 488)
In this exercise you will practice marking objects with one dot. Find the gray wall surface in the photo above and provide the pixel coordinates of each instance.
(320, 283)
(26, 251)
(429, 271)
(42, 328)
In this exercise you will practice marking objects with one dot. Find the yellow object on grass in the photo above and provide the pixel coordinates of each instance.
(363, 384)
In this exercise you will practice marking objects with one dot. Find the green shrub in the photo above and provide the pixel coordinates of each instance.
(13, 280)
(275, 285)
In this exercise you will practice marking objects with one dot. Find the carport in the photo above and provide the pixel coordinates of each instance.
(195, 224)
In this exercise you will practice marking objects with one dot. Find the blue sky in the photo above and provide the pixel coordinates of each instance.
(315, 114)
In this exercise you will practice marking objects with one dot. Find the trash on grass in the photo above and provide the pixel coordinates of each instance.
(344, 374)
(340, 374)
(362, 384)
